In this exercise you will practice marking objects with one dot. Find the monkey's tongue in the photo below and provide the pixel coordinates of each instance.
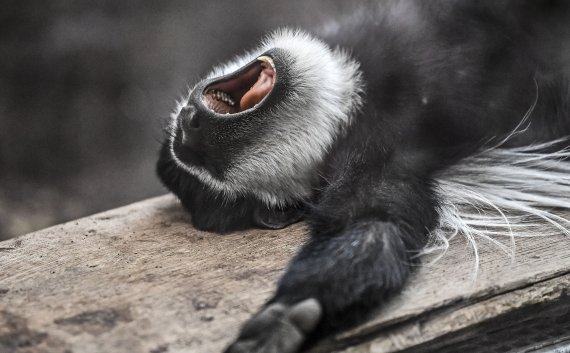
(260, 89)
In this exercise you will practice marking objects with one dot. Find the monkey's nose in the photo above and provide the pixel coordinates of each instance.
(190, 125)
(188, 118)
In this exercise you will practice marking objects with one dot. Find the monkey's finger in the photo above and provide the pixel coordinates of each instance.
(306, 315)
(278, 328)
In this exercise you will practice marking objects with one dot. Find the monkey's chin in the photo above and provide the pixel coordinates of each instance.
(242, 90)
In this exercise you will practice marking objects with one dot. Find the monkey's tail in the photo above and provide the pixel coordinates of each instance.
(501, 194)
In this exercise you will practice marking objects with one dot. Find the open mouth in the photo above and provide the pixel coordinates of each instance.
(242, 91)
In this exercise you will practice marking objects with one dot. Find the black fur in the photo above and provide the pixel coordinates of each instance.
(213, 212)
(438, 86)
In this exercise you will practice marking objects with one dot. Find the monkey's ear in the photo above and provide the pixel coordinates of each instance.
(276, 219)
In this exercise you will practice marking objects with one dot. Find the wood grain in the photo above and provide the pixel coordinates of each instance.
(141, 279)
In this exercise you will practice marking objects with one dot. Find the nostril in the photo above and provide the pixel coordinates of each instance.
(194, 123)
(190, 124)
(188, 118)
(187, 111)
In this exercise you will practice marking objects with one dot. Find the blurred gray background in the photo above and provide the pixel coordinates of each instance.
(85, 87)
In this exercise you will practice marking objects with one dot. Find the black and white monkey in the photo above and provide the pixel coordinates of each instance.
(377, 134)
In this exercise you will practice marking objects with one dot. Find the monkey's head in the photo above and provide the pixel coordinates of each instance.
(259, 127)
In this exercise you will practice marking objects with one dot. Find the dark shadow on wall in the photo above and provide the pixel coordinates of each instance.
(85, 87)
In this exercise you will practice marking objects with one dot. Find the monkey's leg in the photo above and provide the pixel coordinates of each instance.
(360, 254)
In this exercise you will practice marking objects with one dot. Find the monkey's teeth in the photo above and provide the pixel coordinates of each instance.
(222, 97)
(266, 59)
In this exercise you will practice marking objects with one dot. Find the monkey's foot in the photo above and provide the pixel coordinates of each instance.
(278, 328)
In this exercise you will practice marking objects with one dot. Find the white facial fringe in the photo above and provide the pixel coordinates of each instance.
(280, 168)
(504, 193)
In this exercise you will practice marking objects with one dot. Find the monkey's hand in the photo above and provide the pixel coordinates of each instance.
(278, 328)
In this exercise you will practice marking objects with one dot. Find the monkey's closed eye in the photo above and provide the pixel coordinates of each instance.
(276, 219)
(243, 90)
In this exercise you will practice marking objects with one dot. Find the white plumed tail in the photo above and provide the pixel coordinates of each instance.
(504, 193)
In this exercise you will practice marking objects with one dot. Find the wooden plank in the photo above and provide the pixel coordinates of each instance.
(141, 279)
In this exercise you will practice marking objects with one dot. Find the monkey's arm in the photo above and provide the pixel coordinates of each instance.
(365, 230)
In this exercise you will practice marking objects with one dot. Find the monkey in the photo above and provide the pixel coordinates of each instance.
(367, 127)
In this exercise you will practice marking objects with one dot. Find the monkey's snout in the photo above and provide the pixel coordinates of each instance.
(243, 89)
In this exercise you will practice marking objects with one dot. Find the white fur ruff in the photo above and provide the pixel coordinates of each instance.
(325, 94)
(504, 193)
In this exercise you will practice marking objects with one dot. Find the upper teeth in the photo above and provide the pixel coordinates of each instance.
(222, 96)
(268, 60)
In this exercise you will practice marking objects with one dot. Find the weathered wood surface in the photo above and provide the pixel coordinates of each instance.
(141, 279)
